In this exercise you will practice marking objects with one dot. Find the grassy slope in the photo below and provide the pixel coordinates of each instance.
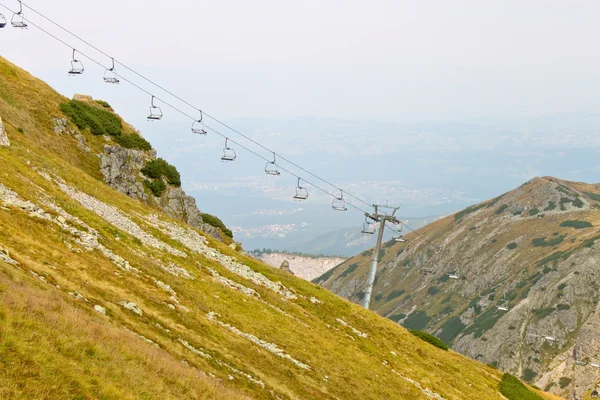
(53, 346)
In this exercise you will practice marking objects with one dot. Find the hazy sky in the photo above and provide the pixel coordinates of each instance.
(393, 60)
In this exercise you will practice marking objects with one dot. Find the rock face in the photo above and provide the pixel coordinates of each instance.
(285, 266)
(527, 294)
(3, 136)
(121, 170)
(304, 266)
(121, 167)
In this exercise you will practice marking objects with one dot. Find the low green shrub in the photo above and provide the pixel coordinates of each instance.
(157, 187)
(563, 307)
(593, 196)
(133, 141)
(158, 168)
(576, 224)
(417, 320)
(533, 211)
(501, 209)
(395, 293)
(104, 104)
(429, 339)
(349, 270)
(432, 290)
(529, 374)
(564, 382)
(98, 121)
(217, 223)
(511, 246)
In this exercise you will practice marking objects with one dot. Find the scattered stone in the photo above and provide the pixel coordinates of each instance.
(3, 136)
(76, 295)
(285, 266)
(356, 331)
(233, 285)
(233, 246)
(131, 307)
(272, 348)
(314, 300)
(99, 309)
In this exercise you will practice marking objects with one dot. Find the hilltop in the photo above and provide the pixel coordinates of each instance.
(107, 294)
(534, 250)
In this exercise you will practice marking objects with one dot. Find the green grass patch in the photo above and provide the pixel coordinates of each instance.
(397, 317)
(551, 258)
(533, 211)
(564, 381)
(417, 320)
(395, 293)
(429, 339)
(104, 104)
(511, 246)
(484, 322)
(351, 268)
(451, 329)
(543, 242)
(467, 211)
(576, 224)
(501, 209)
(593, 196)
(563, 306)
(551, 206)
(541, 313)
(432, 290)
(513, 389)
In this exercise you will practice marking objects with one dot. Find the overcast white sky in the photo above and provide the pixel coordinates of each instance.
(394, 60)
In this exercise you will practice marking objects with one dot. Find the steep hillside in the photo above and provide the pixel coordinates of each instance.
(106, 296)
(302, 265)
(535, 251)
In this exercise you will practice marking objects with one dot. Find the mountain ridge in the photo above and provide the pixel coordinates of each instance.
(534, 250)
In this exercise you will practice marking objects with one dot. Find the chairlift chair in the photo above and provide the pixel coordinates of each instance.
(2, 21)
(110, 76)
(339, 204)
(18, 19)
(228, 153)
(301, 192)
(595, 365)
(580, 363)
(156, 113)
(454, 275)
(197, 126)
(76, 66)
(368, 227)
(271, 167)
(503, 304)
(400, 238)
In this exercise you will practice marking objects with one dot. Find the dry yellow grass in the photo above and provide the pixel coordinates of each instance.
(55, 346)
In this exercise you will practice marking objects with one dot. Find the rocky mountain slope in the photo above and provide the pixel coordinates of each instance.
(105, 295)
(304, 266)
(527, 297)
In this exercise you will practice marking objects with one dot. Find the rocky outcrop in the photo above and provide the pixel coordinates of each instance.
(285, 266)
(3, 136)
(121, 170)
(121, 167)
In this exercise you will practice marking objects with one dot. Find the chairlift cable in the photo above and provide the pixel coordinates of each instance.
(439, 249)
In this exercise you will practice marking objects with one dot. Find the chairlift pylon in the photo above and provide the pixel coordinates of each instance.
(197, 126)
(110, 76)
(76, 66)
(301, 192)
(2, 21)
(339, 204)
(271, 167)
(228, 153)
(156, 113)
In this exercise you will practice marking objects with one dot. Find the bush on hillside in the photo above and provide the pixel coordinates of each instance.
(576, 224)
(511, 246)
(133, 141)
(429, 339)
(349, 270)
(158, 168)
(513, 389)
(217, 223)
(104, 104)
(98, 121)
(157, 187)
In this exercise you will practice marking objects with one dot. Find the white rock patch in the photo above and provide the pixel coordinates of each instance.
(273, 348)
(356, 331)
